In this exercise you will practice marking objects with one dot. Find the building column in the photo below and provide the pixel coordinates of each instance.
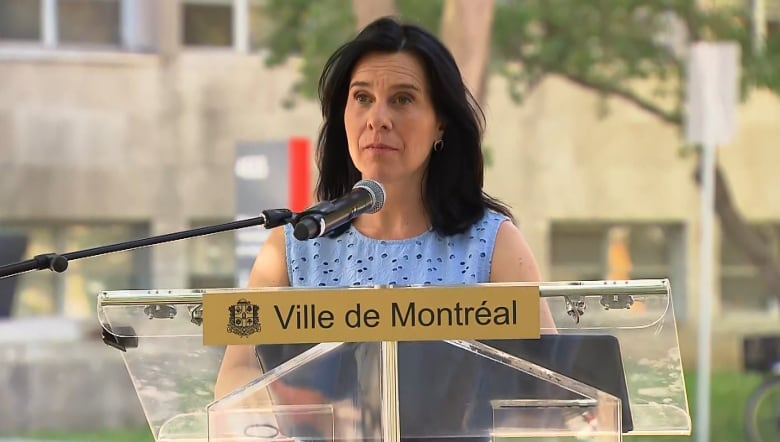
(169, 260)
(241, 26)
(168, 28)
(170, 267)
(139, 25)
(49, 30)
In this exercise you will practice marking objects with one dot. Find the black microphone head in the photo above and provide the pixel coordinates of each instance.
(306, 228)
(376, 191)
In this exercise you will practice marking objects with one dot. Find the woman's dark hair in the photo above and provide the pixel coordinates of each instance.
(452, 188)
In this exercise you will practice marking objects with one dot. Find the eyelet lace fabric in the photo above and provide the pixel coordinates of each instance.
(353, 259)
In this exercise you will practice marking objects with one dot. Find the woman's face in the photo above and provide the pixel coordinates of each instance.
(389, 118)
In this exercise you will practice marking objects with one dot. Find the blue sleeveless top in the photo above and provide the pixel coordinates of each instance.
(353, 259)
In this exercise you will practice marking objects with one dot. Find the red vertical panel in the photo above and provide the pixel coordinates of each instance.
(299, 173)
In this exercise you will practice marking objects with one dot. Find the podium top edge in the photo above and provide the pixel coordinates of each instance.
(647, 287)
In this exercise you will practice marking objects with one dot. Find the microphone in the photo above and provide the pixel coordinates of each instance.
(366, 196)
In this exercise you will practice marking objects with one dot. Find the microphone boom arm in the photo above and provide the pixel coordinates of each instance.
(59, 263)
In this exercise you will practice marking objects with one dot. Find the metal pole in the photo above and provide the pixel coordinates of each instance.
(707, 212)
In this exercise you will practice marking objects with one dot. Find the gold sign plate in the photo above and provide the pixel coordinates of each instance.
(288, 316)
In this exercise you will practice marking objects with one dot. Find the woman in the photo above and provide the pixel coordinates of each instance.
(396, 111)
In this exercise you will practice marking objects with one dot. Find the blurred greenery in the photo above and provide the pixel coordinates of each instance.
(615, 46)
(610, 46)
(729, 395)
(313, 30)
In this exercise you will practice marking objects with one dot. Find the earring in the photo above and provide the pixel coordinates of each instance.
(438, 145)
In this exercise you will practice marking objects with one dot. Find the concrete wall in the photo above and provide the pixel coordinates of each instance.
(132, 137)
(55, 374)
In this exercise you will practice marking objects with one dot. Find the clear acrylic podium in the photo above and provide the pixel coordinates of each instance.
(612, 368)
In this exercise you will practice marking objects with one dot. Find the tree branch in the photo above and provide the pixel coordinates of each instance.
(662, 114)
(671, 117)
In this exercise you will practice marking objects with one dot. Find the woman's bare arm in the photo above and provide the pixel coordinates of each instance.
(513, 261)
(239, 365)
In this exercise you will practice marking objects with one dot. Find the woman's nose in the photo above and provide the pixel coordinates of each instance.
(379, 117)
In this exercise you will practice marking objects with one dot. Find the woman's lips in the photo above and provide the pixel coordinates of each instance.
(379, 147)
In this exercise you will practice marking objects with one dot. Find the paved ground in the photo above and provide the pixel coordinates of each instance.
(25, 440)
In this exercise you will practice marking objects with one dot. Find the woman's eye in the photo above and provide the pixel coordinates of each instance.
(362, 98)
(403, 99)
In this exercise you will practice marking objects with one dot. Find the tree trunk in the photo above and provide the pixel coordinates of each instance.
(466, 30)
(734, 226)
(367, 11)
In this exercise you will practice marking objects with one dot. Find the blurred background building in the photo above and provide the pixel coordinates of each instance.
(119, 119)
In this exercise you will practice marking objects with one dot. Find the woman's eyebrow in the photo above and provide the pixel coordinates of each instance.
(404, 86)
(359, 84)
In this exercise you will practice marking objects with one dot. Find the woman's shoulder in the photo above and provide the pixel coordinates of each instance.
(495, 216)
(491, 220)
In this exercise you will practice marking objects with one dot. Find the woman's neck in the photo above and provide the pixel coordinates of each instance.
(402, 216)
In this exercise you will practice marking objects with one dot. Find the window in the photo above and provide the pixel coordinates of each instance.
(62, 22)
(607, 251)
(88, 22)
(133, 24)
(741, 286)
(212, 258)
(207, 22)
(73, 292)
(577, 252)
(20, 20)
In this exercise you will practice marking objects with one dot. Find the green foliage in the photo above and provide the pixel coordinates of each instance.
(425, 13)
(114, 435)
(613, 47)
(619, 47)
(312, 30)
(309, 30)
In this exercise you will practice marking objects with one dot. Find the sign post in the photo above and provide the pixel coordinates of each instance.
(712, 96)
